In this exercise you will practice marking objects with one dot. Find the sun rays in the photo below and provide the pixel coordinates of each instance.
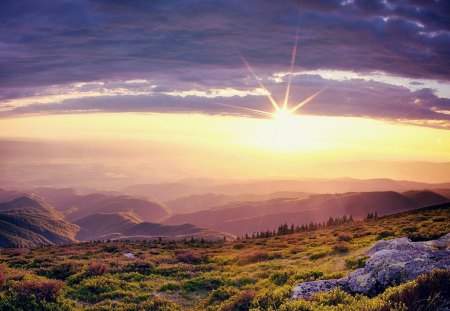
(282, 112)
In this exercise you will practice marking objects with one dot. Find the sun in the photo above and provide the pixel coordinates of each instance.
(283, 116)
(285, 121)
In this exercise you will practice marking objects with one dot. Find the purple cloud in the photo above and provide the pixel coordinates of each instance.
(184, 45)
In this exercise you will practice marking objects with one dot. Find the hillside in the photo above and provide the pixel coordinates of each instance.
(198, 202)
(28, 221)
(75, 206)
(128, 226)
(249, 217)
(8, 195)
(257, 274)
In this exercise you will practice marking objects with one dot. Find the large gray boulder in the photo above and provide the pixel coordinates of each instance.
(391, 263)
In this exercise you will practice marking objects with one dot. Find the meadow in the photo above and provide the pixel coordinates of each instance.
(247, 274)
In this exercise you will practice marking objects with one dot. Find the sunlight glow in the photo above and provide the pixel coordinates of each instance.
(284, 133)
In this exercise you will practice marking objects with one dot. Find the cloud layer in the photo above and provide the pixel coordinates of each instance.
(59, 56)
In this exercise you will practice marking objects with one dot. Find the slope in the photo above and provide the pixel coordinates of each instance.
(27, 221)
(248, 217)
(104, 226)
(75, 206)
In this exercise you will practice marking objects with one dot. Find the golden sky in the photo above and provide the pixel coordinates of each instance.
(317, 137)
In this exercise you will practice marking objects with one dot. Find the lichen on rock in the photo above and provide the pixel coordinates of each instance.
(391, 263)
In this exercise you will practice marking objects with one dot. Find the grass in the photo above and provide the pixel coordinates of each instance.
(256, 274)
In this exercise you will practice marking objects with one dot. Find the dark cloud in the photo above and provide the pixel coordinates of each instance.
(50, 42)
(182, 45)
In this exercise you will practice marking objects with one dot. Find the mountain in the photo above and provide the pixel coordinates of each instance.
(197, 202)
(28, 221)
(8, 195)
(426, 197)
(248, 217)
(170, 191)
(443, 192)
(75, 206)
(127, 226)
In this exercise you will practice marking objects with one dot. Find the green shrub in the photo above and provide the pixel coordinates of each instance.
(408, 230)
(344, 238)
(238, 245)
(355, 262)
(221, 294)
(91, 289)
(203, 283)
(272, 299)
(279, 277)
(159, 304)
(427, 292)
(170, 287)
(241, 302)
(63, 270)
(439, 219)
(139, 266)
(385, 234)
(318, 255)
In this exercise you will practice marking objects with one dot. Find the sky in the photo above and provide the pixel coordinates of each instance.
(176, 75)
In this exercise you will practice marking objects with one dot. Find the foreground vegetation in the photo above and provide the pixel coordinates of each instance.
(255, 274)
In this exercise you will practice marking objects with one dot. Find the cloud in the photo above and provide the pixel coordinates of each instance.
(46, 42)
(136, 55)
(352, 97)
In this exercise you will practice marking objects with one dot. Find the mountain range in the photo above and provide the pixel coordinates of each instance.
(247, 217)
(169, 191)
(66, 215)
(27, 221)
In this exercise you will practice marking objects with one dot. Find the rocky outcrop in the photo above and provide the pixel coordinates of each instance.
(391, 263)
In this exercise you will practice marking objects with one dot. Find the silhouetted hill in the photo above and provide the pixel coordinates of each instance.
(426, 197)
(128, 226)
(58, 197)
(31, 203)
(163, 191)
(198, 202)
(8, 195)
(75, 206)
(247, 217)
(28, 221)
(92, 227)
(443, 192)
(171, 191)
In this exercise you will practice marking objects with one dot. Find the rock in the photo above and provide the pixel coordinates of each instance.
(397, 244)
(391, 263)
(129, 255)
(305, 290)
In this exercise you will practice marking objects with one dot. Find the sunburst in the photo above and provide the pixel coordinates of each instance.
(282, 113)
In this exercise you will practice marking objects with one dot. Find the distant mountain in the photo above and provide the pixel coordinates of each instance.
(75, 206)
(248, 217)
(8, 195)
(426, 197)
(170, 191)
(443, 192)
(163, 191)
(30, 204)
(28, 221)
(198, 202)
(128, 226)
